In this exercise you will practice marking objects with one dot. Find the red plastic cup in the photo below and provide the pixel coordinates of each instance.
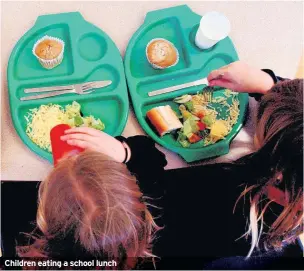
(61, 148)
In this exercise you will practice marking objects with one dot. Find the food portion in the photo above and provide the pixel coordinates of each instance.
(164, 119)
(49, 51)
(40, 121)
(202, 121)
(161, 54)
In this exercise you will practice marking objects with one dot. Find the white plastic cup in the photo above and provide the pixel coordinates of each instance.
(214, 26)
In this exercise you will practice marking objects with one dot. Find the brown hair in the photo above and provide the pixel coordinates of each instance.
(96, 204)
(279, 163)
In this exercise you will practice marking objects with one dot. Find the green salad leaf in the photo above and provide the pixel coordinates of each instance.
(187, 127)
(182, 139)
(190, 126)
(189, 105)
(207, 120)
(73, 110)
(78, 121)
(97, 124)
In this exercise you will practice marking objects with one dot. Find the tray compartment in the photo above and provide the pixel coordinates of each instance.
(27, 66)
(170, 139)
(195, 151)
(92, 47)
(169, 29)
(102, 72)
(145, 86)
(109, 109)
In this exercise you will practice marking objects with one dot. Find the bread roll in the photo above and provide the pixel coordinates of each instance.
(164, 119)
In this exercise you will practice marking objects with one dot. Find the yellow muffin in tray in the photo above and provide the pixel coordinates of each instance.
(161, 54)
(49, 51)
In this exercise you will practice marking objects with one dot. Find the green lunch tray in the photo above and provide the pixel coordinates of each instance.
(89, 55)
(178, 25)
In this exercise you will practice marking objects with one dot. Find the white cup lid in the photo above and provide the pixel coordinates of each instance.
(215, 25)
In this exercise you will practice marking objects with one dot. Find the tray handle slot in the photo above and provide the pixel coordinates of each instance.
(46, 20)
(167, 12)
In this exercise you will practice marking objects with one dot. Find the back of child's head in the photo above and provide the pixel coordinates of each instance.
(277, 166)
(91, 206)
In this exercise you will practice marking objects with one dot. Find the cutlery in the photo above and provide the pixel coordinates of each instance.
(208, 90)
(203, 81)
(80, 89)
(68, 87)
(208, 93)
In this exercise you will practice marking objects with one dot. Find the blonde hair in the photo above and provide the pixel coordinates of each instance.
(280, 163)
(100, 202)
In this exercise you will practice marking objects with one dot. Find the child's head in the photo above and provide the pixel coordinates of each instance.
(279, 165)
(94, 203)
(281, 112)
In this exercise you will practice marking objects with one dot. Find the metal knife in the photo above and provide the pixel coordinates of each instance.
(203, 81)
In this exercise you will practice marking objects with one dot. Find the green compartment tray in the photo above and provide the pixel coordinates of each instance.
(89, 55)
(178, 25)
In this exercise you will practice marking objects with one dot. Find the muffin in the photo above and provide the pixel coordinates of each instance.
(49, 51)
(161, 54)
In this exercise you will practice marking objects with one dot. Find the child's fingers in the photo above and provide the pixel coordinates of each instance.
(222, 72)
(81, 144)
(83, 130)
(222, 83)
(78, 136)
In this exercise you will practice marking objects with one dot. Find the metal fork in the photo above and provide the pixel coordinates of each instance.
(208, 93)
(208, 90)
(79, 89)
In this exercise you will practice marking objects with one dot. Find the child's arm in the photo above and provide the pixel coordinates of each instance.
(146, 160)
(240, 77)
(275, 78)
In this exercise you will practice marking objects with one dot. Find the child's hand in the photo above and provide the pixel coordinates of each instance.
(92, 139)
(240, 77)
